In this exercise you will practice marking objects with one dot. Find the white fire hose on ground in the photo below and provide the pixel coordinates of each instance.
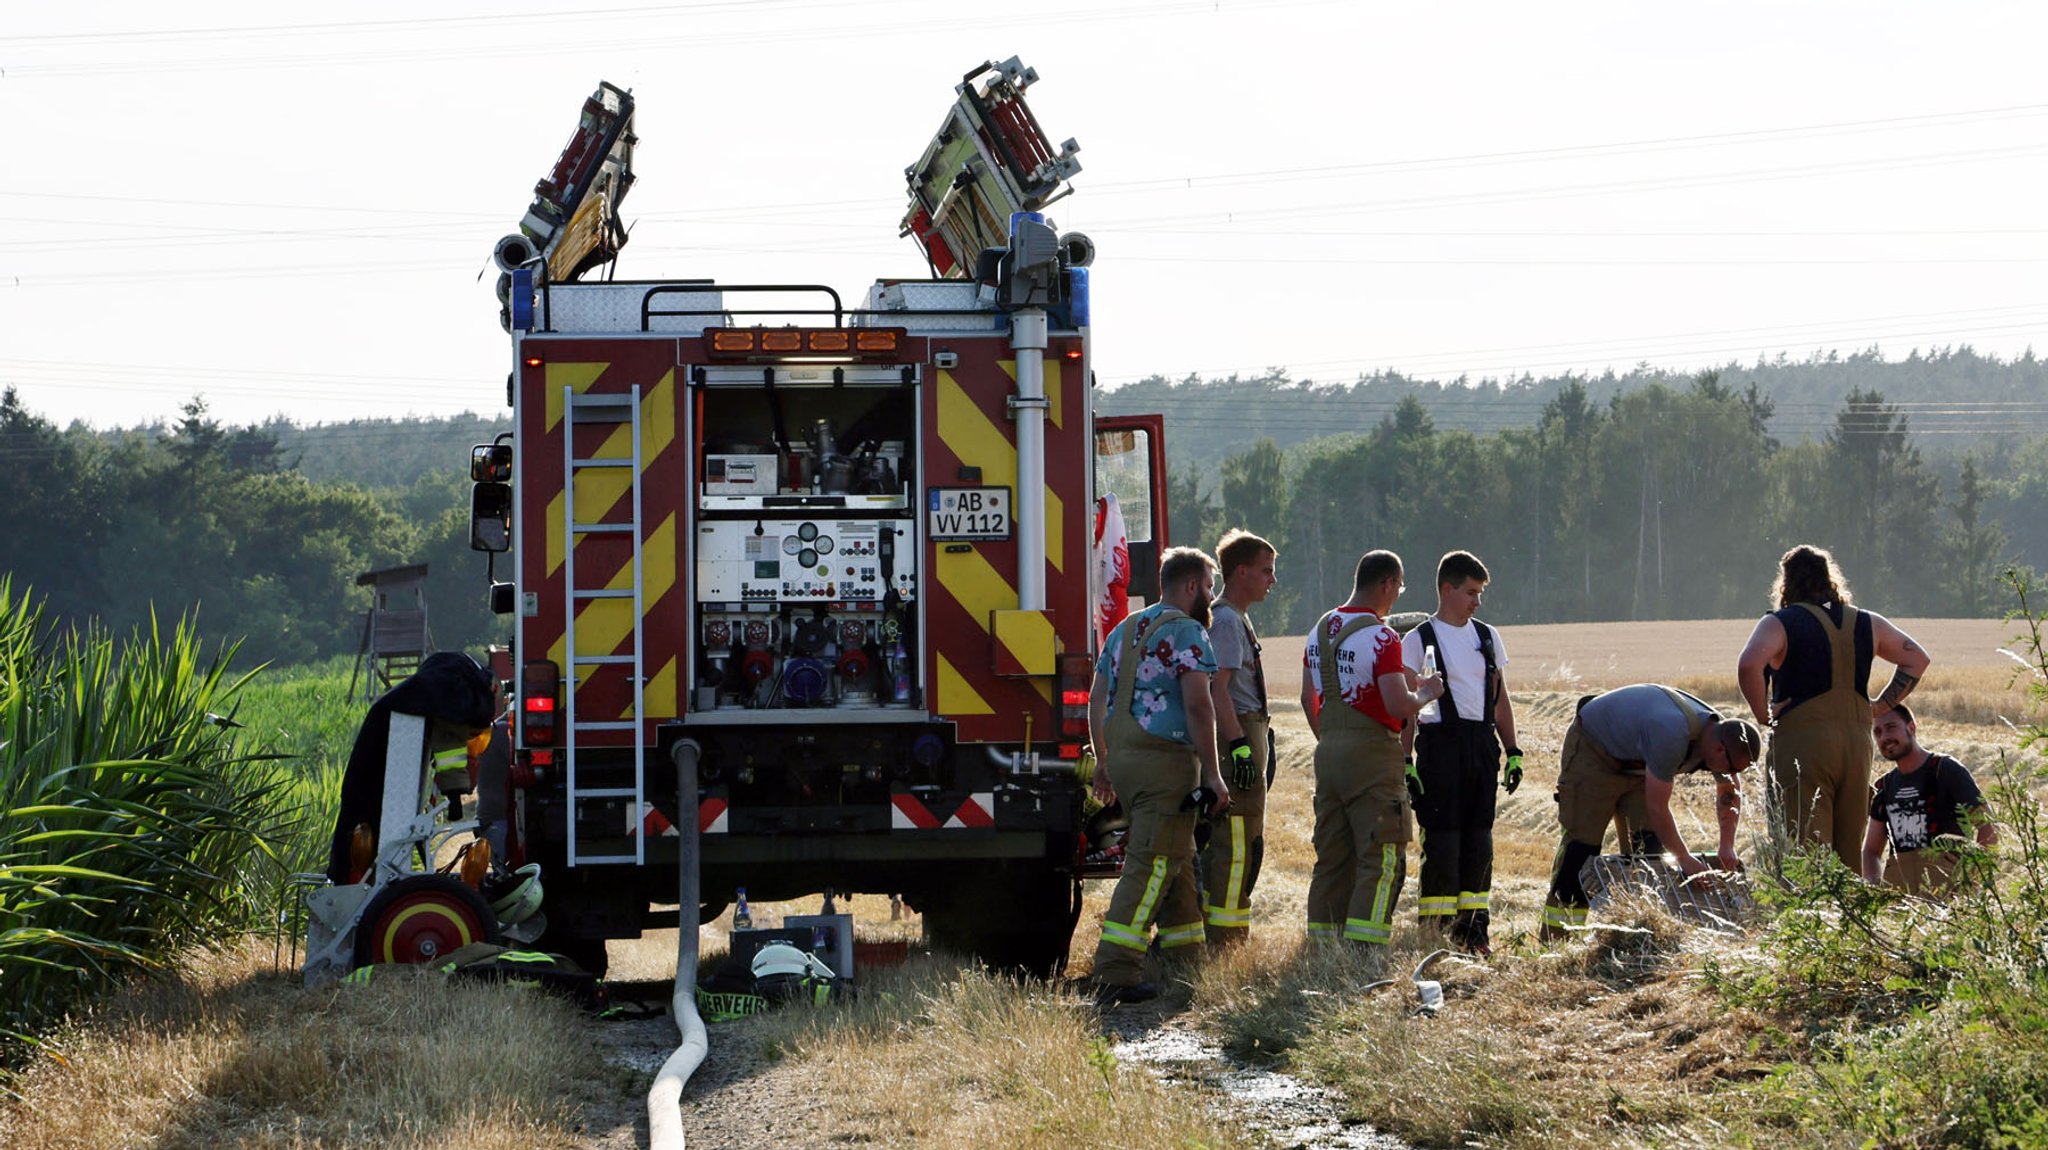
(665, 1098)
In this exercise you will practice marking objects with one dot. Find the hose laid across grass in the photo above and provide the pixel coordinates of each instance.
(665, 1097)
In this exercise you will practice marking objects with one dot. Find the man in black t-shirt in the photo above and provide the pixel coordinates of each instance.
(1926, 796)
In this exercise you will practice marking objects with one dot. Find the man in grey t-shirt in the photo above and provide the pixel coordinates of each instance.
(1622, 752)
(1229, 865)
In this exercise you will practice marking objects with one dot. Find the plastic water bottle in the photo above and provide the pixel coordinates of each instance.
(742, 918)
(1429, 667)
(899, 674)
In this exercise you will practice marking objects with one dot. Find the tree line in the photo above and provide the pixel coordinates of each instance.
(195, 515)
(1633, 496)
(1663, 502)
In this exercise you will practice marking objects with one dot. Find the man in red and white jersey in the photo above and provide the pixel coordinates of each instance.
(1361, 801)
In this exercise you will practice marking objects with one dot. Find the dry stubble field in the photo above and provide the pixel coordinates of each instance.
(933, 1056)
(893, 1084)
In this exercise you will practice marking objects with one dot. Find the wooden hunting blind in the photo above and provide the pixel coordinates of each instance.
(395, 632)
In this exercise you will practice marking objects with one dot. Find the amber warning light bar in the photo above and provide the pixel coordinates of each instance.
(836, 344)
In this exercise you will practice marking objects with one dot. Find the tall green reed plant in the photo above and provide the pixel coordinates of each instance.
(133, 822)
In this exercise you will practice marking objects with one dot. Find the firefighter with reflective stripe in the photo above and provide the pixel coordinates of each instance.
(1457, 754)
(452, 771)
(1812, 656)
(1153, 727)
(1357, 696)
(1622, 752)
(1237, 842)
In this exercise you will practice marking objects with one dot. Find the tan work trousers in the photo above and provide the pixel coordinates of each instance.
(1230, 863)
(1152, 776)
(1922, 872)
(1362, 825)
(1820, 767)
(1593, 790)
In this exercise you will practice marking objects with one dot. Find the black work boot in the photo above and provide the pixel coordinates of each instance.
(1109, 995)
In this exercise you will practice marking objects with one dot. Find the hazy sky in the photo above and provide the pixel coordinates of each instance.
(286, 206)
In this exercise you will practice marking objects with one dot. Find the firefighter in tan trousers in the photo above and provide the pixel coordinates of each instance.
(1361, 801)
(1230, 863)
(1153, 728)
(1805, 673)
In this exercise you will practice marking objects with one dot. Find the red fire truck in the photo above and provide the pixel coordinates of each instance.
(834, 554)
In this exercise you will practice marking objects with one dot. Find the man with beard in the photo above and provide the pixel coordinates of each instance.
(1924, 798)
(1622, 753)
(1153, 727)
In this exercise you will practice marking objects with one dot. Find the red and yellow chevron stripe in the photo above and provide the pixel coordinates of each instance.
(603, 495)
(992, 664)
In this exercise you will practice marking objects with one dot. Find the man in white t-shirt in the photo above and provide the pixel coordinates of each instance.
(1455, 760)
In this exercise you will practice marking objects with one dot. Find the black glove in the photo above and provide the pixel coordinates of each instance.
(1513, 776)
(1199, 799)
(1242, 773)
(1414, 784)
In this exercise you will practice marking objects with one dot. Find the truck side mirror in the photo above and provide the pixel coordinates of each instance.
(490, 517)
(503, 599)
(490, 463)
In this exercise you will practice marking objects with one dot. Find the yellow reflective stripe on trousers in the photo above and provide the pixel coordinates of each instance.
(1122, 936)
(1564, 916)
(1380, 927)
(1188, 935)
(1474, 900)
(1324, 929)
(1359, 930)
(1233, 912)
(1233, 896)
(1436, 904)
(1132, 934)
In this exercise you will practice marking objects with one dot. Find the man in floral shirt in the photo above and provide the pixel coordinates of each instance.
(1154, 734)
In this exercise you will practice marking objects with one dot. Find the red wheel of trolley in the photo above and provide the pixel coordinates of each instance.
(422, 918)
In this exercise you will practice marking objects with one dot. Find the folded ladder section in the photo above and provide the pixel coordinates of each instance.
(608, 410)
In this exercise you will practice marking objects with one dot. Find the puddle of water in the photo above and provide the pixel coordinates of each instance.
(1298, 1115)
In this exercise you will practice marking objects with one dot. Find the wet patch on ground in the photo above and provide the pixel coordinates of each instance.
(1294, 1114)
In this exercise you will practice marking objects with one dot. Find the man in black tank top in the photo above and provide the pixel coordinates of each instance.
(1805, 673)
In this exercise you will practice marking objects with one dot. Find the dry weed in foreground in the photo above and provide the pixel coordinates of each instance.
(238, 1055)
(1609, 1037)
(933, 1056)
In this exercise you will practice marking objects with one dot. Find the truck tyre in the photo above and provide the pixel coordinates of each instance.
(587, 953)
(1024, 924)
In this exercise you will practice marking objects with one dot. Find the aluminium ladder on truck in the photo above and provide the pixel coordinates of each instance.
(573, 224)
(989, 159)
(622, 411)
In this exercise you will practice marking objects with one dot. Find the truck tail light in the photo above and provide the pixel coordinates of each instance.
(540, 689)
(1076, 669)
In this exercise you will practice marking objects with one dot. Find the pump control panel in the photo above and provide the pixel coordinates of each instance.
(805, 560)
